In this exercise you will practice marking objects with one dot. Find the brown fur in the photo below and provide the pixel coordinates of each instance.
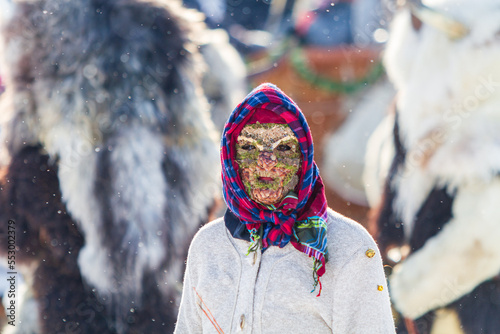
(47, 237)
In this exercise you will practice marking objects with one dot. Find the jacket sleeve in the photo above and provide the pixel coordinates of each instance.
(361, 301)
(188, 320)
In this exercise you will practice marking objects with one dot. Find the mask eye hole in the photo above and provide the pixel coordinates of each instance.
(248, 147)
(284, 148)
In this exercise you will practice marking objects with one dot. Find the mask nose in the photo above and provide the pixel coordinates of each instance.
(266, 160)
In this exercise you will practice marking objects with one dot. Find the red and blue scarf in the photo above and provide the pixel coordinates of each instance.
(299, 218)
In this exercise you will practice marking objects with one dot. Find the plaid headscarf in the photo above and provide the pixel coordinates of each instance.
(298, 218)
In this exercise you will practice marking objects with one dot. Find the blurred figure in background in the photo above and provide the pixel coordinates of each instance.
(438, 221)
(104, 126)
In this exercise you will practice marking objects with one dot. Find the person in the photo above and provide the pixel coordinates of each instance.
(279, 261)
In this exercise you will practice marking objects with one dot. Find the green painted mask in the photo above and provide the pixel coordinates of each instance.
(268, 156)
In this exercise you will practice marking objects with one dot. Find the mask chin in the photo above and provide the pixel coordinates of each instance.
(273, 195)
(268, 196)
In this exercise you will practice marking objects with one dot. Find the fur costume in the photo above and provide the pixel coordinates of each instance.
(104, 129)
(225, 78)
(443, 187)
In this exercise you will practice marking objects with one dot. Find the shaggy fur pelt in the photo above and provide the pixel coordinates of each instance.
(443, 186)
(225, 79)
(109, 154)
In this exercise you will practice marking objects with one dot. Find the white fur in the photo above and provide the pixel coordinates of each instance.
(26, 313)
(451, 264)
(77, 181)
(449, 115)
(26, 305)
(138, 152)
(214, 9)
(18, 128)
(14, 47)
(7, 8)
(136, 159)
(378, 159)
(224, 80)
(447, 105)
(344, 152)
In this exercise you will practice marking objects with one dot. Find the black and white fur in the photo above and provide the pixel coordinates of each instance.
(104, 109)
(442, 190)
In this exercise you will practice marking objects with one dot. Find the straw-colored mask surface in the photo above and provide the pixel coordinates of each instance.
(268, 156)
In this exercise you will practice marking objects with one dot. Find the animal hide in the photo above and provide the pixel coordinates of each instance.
(104, 130)
(442, 188)
(225, 79)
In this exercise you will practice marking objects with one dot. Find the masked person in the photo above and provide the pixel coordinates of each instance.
(279, 261)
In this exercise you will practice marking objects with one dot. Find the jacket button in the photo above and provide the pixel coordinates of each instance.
(242, 321)
(370, 253)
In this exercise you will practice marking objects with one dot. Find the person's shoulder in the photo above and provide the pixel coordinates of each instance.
(211, 230)
(340, 226)
(209, 234)
(346, 236)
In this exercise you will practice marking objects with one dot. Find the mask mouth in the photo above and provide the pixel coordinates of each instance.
(265, 179)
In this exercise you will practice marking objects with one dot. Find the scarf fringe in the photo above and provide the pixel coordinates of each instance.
(255, 241)
(317, 281)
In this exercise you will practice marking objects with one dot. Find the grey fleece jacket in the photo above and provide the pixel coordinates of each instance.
(227, 291)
